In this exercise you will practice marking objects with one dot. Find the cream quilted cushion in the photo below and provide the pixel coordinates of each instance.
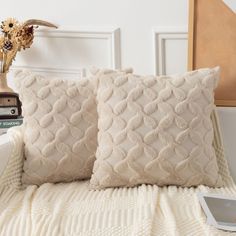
(60, 121)
(156, 130)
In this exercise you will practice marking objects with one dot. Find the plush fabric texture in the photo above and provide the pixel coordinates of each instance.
(146, 210)
(60, 134)
(156, 130)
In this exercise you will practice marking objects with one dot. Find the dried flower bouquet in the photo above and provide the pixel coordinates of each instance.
(15, 37)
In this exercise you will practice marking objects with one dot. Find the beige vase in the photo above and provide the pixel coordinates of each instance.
(3, 84)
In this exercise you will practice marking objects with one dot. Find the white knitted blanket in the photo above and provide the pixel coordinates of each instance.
(73, 209)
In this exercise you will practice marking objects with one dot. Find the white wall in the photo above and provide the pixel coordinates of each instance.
(136, 19)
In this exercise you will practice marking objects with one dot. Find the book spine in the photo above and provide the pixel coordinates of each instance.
(8, 124)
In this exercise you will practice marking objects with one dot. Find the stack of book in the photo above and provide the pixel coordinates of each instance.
(5, 124)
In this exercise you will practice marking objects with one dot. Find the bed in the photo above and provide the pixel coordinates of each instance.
(73, 209)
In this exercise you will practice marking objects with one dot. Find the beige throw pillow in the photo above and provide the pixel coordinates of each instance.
(60, 120)
(156, 130)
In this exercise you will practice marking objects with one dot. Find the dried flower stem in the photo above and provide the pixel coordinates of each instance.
(3, 60)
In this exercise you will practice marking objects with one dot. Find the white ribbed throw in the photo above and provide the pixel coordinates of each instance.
(72, 209)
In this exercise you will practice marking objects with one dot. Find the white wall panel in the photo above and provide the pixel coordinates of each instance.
(68, 51)
(135, 18)
(175, 56)
(170, 50)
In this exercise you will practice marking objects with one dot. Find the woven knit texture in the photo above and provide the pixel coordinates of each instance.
(73, 209)
(60, 133)
(156, 130)
(11, 177)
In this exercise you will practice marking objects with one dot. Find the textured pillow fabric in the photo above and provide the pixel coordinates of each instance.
(156, 130)
(60, 120)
